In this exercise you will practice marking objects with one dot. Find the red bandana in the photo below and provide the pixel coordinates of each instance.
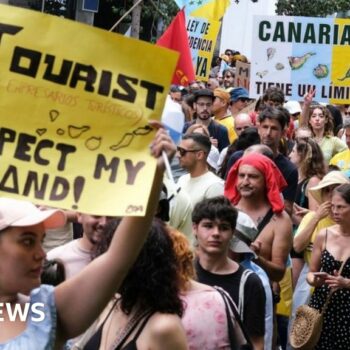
(274, 180)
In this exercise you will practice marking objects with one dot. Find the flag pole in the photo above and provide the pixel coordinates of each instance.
(124, 15)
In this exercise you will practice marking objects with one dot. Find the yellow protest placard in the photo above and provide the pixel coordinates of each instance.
(202, 34)
(74, 108)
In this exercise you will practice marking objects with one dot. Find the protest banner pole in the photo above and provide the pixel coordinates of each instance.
(165, 157)
(124, 15)
(168, 168)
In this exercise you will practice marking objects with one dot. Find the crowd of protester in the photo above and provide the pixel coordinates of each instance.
(256, 224)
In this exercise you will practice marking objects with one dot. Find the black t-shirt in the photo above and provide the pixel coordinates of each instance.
(254, 296)
(290, 174)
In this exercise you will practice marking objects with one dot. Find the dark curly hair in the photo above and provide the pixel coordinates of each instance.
(215, 208)
(153, 281)
(275, 94)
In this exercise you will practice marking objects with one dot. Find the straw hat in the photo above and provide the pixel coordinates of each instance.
(332, 178)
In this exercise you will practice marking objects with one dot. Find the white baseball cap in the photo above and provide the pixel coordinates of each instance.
(14, 212)
(293, 107)
(244, 227)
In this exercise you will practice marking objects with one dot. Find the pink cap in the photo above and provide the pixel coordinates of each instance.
(14, 212)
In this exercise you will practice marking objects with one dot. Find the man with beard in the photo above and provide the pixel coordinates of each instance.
(76, 254)
(199, 183)
(202, 105)
(254, 186)
(272, 125)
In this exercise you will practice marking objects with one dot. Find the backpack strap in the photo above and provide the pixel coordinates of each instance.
(231, 309)
(242, 283)
(264, 221)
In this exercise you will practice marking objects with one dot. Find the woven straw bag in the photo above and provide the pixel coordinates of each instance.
(306, 328)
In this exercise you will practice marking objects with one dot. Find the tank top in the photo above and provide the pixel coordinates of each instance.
(95, 341)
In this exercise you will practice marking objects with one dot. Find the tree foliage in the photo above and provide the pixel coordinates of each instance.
(151, 12)
(312, 8)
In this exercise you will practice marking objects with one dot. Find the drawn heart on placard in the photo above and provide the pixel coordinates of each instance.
(41, 132)
(54, 114)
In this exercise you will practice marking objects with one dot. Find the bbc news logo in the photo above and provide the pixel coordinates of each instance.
(21, 312)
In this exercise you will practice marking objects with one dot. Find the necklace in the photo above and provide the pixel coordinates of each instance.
(127, 330)
(318, 139)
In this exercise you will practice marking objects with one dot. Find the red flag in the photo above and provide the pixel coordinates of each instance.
(176, 38)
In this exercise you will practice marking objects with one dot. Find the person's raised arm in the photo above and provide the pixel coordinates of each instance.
(313, 204)
(80, 299)
(304, 116)
(304, 233)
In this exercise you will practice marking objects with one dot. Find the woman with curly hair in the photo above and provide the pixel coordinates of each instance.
(320, 122)
(308, 158)
(145, 314)
(204, 317)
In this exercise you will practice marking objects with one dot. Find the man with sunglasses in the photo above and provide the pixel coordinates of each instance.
(199, 183)
(212, 84)
(203, 107)
(239, 100)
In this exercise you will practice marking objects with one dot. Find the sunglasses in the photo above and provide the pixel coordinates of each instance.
(183, 151)
(346, 113)
(243, 99)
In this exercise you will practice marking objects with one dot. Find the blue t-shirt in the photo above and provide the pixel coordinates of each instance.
(38, 335)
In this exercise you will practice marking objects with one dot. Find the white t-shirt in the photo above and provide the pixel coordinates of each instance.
(73, 257)
(58, 236)
(198, 188)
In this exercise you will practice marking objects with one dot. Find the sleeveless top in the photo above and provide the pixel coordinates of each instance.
(335, 334)
(37, 335)
(95, 341)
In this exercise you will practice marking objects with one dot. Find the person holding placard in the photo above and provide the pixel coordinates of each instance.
(72, 306)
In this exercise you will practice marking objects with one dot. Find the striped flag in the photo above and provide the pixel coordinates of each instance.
(210, 9)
